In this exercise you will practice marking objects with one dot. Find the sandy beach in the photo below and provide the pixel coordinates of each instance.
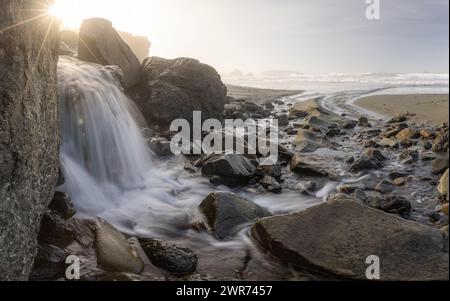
(259, 96)
(427, 108)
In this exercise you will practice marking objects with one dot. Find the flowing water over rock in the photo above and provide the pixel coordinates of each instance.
(110, 173)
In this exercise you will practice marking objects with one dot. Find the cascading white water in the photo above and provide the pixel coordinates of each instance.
(108, 169)
(103, 151)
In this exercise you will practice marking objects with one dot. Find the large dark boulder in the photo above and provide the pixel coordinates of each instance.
(29, 130)
(173, 89)
(336, 238)
(100, 43)
(225, 211)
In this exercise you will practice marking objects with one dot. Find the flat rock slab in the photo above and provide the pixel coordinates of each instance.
(335, 239)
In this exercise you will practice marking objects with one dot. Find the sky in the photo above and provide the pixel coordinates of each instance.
(311, 36)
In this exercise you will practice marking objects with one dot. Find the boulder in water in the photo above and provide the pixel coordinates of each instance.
(225, 211)
(170, 257)
(173, 89)
(234, 167)
(393, 204)
(101, 44)
(337, 237)
(371, 159)
(114, 252)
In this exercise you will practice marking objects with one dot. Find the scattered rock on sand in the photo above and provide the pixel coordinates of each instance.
(306, 108)
(114, 252)
(169, 256)
(340, 246)
(225, 211)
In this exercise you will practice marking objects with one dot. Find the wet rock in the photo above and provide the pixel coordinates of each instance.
(160, 146)
(350, 188)
(269, 170)
(54, 230)
(63, 205)
(360, 195)
(225, 212)
(371, 159)
(408, 156)
(49, 263)
(440, 144)
(427, 145)
(306, 186)
(234, 166)
(114, 252)
(399, 118)
(350, 160)
(427, 133)
(283, 120)
(100, 43)
(397, 174)
(443, 185)
(440, 165)
(29, 130)
(173, 89)
(338, 247)
(393, 204)
(387, 142)
(364, 122)
(333, 132)
(318, 124)
(407, 133)
(271, 184)
(400, 181)
(349, 124)
(385, 187)
(312, 165)
(306, 108)
(169, 256)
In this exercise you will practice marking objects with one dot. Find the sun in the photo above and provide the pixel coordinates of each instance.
(67, 11)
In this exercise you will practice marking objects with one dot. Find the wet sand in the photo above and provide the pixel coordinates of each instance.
(259, 96)
(427, 108)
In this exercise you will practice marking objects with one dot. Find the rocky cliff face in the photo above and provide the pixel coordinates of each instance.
(29, 130)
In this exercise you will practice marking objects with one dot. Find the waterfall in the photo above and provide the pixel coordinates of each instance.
(103, 152)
